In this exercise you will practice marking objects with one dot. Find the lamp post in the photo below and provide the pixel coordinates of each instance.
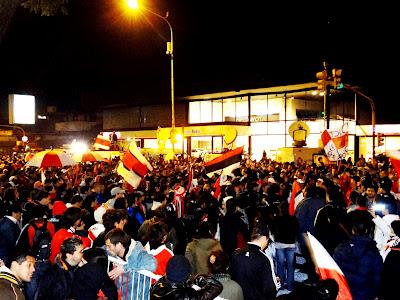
(133, 4)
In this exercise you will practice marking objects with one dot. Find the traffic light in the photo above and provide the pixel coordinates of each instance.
(381, 139)
(322, 77)
(337, 78)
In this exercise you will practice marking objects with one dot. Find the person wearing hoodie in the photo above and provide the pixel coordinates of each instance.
(198, 250)
(361, 263)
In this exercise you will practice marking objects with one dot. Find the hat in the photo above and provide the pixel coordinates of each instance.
(178, 269)
(117, 190)
(271, 180)
(59, 208)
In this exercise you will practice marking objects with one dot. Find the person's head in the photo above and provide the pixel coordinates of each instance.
(117, 192)
(115, 218)
(370, 192)
(98, 187)
(72, 251)
(158, 232)
(71, 217)
(361, 228)
(117, 241)
(77, 201)
(361, 201)
(204, 230)
(396, 227)
(15, 211)
(43, 198)
(23, 266)
(95, 256)
(178, 269)
(218, 262)
(260, 234)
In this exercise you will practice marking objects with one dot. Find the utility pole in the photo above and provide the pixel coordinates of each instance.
(373, 113)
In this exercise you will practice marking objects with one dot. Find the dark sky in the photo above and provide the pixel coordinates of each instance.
(98, 55)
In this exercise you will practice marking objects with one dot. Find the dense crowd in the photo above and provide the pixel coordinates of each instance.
(82, 232)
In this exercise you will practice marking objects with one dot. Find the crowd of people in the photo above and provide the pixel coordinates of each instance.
(82, 232)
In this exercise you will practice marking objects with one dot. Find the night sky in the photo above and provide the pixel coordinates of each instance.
(100, 55)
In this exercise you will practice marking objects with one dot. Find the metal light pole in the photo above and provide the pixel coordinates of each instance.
(170, 52)
(373, 113)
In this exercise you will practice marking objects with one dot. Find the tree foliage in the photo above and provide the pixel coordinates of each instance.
(46, 7)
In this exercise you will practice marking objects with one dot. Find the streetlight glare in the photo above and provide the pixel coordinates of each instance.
(133, 4)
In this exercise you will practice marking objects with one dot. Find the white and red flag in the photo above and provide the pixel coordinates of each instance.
(102, 143)
(134, 166)
(327, 268)
(335, 144)
(394, 157)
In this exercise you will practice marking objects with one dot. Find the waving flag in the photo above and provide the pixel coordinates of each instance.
(134, 166)
(225, 163)
(335, 144)
(394, 157)
(102, 143)
(327, 268)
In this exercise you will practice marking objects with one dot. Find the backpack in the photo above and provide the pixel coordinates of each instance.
(41, 241)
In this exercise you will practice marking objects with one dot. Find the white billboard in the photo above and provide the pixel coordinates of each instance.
(21, 109)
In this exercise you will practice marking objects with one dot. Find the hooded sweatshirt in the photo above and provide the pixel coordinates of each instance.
(197, 252)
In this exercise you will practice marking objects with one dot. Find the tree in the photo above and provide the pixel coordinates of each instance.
(39, 7)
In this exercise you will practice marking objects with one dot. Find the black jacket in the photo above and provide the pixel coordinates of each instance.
(57, 282)
(167, 290)
(89, 279)
(251, 268)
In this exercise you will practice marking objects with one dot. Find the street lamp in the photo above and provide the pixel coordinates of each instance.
(133, 4)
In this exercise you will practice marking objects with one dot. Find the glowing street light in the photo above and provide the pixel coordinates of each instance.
(133, 4)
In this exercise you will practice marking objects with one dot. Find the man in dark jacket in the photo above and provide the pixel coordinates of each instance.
(251, 268)
(11, 279)
(57, 282)
(178, 284)
(361, 263)
(9, 232)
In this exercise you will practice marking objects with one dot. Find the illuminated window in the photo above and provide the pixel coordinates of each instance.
(150, 143)
(205, 112)
(258, 106)
(217, 110)
(217, 144)
(242, 109)
(276, 106)
(194, 112)
(229, 110)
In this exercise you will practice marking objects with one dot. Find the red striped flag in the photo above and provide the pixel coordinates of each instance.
(295, 189)
(134, 166)
(327, 268)
(102, 143)
(225, 163)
